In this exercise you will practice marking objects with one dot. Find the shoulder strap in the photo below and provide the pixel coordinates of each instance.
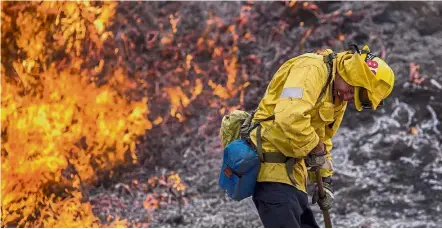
(247, 127)
(328, 60)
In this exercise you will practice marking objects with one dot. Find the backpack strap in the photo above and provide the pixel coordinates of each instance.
(258, 136)
(259, 143)
(246, 129)
(328, 60)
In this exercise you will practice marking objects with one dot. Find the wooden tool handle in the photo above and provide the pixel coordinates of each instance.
(325, 213)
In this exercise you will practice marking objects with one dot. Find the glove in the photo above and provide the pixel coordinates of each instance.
(326, 170)
(324, 203)
(316, 157)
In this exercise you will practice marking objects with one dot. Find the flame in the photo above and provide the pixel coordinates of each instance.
(178, 99)
(414, 130)
(310, 6)
(341, 37)
(292, 3)
(158, 120)
(415, 75)
(243, 15)
(348, 13)
(172, 182)
(188, 61)
(119, 223)
(304, 38)
(151, 202)
(167, 40)
(307, 34)
(46, 130)
(231, 67)
(174, 22)
(58, 128)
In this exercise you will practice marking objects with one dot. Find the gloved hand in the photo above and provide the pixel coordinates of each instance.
(326, 202)
(316, 157)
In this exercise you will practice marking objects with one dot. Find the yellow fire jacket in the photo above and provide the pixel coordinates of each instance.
(300, 120)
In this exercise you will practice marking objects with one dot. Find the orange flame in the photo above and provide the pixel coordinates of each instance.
(174, 22)
(151, 202)
(173, 182)
(414, 74)
(57, 127)
(341, 37)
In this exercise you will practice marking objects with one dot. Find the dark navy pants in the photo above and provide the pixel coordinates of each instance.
(282, 205)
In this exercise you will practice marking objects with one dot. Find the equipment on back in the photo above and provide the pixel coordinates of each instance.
(230, 126)
(241, 162)
(239, 170)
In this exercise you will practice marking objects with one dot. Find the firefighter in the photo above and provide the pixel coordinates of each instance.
(308, 97)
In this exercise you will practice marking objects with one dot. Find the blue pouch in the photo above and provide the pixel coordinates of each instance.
(239, 170)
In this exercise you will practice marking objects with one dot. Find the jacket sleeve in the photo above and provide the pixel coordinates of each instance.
(327, 168)
(299, 95)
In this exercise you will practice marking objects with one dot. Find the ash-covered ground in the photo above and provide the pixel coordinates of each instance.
(388, 163)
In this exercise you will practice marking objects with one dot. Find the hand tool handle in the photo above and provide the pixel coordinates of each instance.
(325, 214)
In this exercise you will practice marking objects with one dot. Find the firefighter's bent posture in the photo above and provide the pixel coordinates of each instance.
(308, 96)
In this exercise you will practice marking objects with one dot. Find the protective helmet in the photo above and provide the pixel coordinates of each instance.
(372, 78)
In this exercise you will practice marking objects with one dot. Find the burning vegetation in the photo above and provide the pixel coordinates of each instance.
(58, 126)
(93, 90)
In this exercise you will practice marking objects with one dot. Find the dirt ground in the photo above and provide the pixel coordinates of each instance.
(388, 162)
